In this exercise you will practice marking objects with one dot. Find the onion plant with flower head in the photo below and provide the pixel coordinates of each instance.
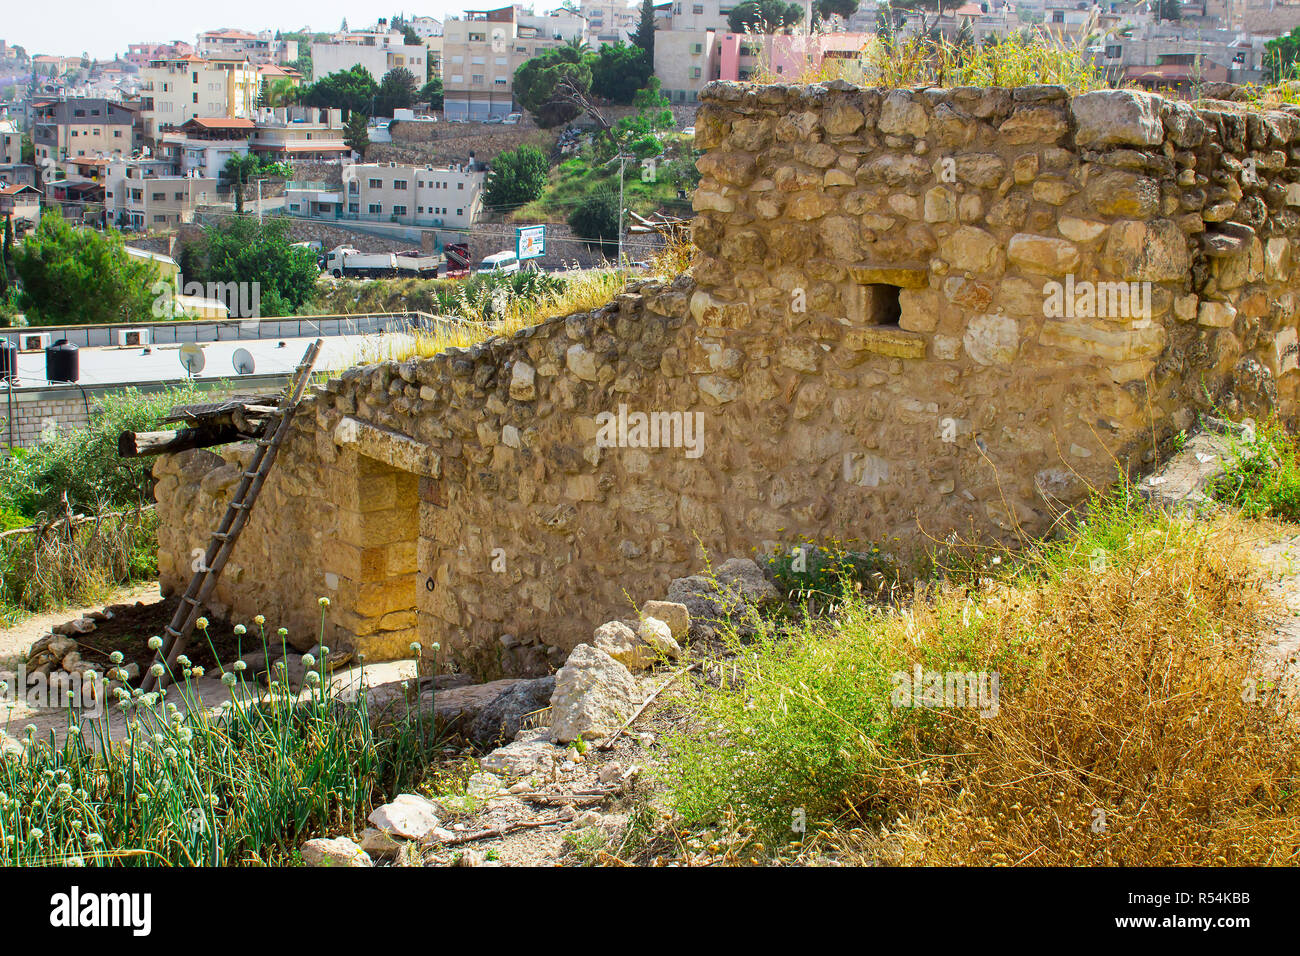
(186, 783)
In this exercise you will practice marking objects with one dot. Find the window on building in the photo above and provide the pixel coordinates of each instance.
(376, 207)
(399, 210)
(698, 9)
(376, 184)
(399, 183)
(159, 197)
(460, 212)
(180, 197)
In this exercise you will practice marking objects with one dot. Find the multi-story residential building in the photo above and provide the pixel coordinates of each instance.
(299, 132)
(609, 21)
(256, 48)
(482, 49)
(182, 88)
(425, 27)
(684, 62)
(203, 146)
(379, 52)
(1171, 56)
(11, 142)
(18, 174)
(142, 54)
(19, 201)
(137, 197)
(90, 126)
(449, 197)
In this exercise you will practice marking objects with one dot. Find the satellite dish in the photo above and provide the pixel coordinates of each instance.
(192, 358)
(243, 361)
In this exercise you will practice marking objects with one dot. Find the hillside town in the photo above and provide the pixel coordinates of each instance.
(616, 433)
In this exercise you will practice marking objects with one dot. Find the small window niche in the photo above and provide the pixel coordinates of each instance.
(880, 305)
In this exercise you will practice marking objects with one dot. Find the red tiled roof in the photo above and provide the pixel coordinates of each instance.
(219, 122)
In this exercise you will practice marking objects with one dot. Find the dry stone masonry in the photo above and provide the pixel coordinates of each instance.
(912, 313)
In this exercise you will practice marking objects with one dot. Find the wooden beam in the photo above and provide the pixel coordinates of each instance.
(136, 444)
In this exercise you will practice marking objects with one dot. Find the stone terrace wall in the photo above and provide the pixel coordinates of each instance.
(867, 337)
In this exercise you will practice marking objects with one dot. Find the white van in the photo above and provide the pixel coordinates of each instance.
(498, 262)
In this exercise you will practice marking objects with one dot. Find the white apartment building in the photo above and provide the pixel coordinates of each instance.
(11, 142)
(609, 21)
(179, 89)
(425, 27)
(482, 49)
(300, 132)
(377, 52)
(258, 48)
(449, 197)
(693, 16)
(684, 62)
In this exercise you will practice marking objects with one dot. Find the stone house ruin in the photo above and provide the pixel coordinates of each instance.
(912, 312)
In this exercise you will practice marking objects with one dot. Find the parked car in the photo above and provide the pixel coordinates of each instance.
(513, 118)
(495, 119)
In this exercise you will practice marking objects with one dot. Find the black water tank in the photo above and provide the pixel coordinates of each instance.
(8, 360)
(62, 363)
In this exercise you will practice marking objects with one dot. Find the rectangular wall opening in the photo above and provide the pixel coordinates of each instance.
(881, 305)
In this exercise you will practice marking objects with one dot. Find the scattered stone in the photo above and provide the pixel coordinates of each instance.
(594, 696)
(408, 816)
(379, 843)
(339, 851)
(676, 616)
(504, 716)
(736, 584)
(82, 625)
(523, 757)
(636, 649)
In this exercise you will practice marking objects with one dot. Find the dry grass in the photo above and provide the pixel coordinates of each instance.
(582, 292)
(1134, 722)
(1135, 731)
(60, 566)
(1042, 57)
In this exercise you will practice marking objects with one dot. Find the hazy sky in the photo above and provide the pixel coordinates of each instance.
(104, 29)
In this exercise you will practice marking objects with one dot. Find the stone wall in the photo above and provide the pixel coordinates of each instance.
(872, 345)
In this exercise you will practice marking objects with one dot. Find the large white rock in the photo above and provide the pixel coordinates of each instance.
(340, 851)
(1118, 118)
(594, 696)
(408, 816)
(640, 648)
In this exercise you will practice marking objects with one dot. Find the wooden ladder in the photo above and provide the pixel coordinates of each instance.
(223, 539)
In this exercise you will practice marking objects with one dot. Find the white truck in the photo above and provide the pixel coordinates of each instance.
(345, 261)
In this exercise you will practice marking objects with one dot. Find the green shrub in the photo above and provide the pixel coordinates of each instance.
(82, 463)
(1263, 477)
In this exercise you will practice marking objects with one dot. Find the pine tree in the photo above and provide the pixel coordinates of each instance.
(645, 29)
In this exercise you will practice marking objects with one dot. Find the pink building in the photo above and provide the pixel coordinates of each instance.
(741, 56)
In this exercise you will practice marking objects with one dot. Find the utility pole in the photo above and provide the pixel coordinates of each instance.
(622, 163)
